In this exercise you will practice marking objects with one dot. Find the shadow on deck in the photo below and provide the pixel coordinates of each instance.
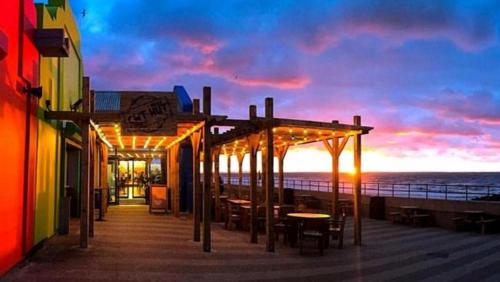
(135, 246)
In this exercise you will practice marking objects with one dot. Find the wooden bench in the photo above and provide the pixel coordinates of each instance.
(421, 218)
(396, 217)
(484, 223)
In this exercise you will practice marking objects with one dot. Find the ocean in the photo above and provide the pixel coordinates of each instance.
(435, 185)
(444, 178)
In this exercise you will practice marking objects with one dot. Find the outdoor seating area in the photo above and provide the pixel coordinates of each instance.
(295, 224)
(160, 246)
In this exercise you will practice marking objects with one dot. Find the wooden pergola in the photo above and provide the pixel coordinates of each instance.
(272, 136)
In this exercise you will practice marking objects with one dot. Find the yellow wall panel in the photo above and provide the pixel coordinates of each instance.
(47, 182)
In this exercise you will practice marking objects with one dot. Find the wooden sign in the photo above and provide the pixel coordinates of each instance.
(148, 113)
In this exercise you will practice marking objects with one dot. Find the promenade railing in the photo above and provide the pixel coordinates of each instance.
(401, 190)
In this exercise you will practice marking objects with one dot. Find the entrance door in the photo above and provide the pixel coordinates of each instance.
(73, 178)
(133, 177)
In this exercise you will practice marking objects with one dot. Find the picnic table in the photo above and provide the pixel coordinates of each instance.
(474, 218)
(410, 214)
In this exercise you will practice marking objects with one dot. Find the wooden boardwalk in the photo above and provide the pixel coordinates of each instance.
(132, 245)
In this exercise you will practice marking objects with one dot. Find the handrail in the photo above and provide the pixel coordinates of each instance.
(464, 192)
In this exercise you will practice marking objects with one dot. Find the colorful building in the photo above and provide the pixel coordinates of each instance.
(40, 70)
(61, 82)
(19, 64)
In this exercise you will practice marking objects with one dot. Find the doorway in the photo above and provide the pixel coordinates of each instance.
(133, 177)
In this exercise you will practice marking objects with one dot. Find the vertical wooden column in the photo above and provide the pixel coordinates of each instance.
(228, 181)
(241, 157)
(84, 167)
(174, 155)
(207, 171)
(280, 153)
(263, 161)
(168, 174)
(217, 192)
(117, 176)
(253, 146)
(195, 142)
(269, 176)
(357, 183)
(92, 176)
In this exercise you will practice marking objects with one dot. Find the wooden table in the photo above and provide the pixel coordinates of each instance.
(239, 202)
(473, 216)
(308, 215)
(245, 215)
(298, 217)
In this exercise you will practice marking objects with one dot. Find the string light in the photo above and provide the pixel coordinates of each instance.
(146, 144)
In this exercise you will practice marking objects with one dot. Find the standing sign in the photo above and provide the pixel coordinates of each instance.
(148, 113)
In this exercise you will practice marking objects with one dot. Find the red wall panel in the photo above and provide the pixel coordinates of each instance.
(18, 68)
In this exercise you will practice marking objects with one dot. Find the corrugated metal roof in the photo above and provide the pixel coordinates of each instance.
(107, 101)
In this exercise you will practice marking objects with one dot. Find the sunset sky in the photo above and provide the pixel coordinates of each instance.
(425, 74)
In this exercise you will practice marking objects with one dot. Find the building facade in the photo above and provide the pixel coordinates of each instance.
(36, 76)
(19, 65)
(61, 82)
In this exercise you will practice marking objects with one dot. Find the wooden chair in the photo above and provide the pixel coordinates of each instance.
(233, 216)
(261, 218)
(336, 230)
(223, 208)
(283, 225)
(314, 229)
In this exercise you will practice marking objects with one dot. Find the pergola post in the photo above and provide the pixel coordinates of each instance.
(228, 181)
(195, 142)
(269, 176)
(280, 153)
(207, 171)
(84, 167)
(241, 157)
(174, 156)
(216, 159)
(357, 183)
(253, 144)
(92, 180)
(263, 160)
(117, 176)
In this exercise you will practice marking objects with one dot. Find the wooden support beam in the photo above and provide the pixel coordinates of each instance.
(92, 176)
(117, 188)
(357, 183)
(207, 100)
(196, 106)
(228, 180)
(217, 192)
(207, 171)
(241, 157)
(84, 167)
(175, 169)
(85, 185)
(280, 153)
(253, 146)
(270, 177)
(197, 194)
(263, 161)
(341, 147)
(253, 112)
(253, 141)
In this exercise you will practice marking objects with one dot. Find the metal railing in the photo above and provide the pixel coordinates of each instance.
(400, 190)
